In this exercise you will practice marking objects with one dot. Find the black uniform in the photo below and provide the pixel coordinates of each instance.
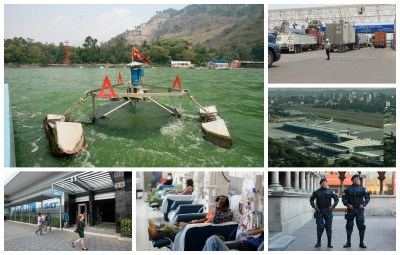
(353, 195)
(324, 201)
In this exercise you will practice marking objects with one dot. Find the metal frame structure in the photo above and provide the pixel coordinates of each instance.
(361, 13)
(84, 182)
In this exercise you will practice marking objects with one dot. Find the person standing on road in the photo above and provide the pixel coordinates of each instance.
(66, 219)
(48, 222)
(39, 222)
(324, 209)
(80, 228)
(327, 48)
(353, 199)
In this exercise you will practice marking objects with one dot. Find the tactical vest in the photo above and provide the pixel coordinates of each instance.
(355, 197)
(324, 199)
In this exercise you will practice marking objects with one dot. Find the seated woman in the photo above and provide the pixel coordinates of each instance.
(251, 240)
(187, 191)
(220, 214)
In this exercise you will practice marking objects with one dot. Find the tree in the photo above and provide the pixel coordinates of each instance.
(159, 55)
(89, 42)
(258, 50)
(34, 54)
(13, 54)
(188, 55)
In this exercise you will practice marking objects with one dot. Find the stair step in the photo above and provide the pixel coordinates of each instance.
(281, 244)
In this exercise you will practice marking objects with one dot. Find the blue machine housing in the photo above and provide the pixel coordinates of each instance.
(136, 73)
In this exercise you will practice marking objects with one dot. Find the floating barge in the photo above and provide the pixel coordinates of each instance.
(67, 138)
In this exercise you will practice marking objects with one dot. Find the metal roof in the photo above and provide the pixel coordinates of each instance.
(34, 198)
(84, 182)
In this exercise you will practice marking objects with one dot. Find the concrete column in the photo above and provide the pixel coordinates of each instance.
(363, 180)
(296, 181)
(342, 177)
(90, 212)
(303, 181)
(308, 181)
(287, 182)
(381, 178)
(311, 182)
(120, 201)
(275, 186)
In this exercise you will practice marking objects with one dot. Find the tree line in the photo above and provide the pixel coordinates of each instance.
(26, 51)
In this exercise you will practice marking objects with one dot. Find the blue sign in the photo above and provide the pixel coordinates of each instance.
(389, 28)
(33, 206)
(50, 205)
(373, 28)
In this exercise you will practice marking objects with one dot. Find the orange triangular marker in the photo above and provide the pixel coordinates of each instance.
(177, 80)
(107, 83)
(120, 78)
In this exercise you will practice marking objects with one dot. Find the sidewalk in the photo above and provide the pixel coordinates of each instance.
(21, 237)
(380, 235)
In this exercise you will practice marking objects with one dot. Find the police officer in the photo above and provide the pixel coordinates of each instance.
(353, 199)
(324, 209)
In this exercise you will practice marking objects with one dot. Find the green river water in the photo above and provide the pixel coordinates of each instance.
(145, 136)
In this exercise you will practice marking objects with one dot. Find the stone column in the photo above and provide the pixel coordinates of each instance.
(303, 181)
(342, 177)
(296, 181)
(120, 205)
(287, 182)
(311, 182)
(90, 213)
(381, 177)
(275, 186)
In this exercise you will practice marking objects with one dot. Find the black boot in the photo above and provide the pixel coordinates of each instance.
(330, 242)
(318, 242)
(348, 244)
(362, 245)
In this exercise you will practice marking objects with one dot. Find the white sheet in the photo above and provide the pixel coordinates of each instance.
(164, 205)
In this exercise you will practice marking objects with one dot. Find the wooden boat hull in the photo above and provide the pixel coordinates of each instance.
(65, 138)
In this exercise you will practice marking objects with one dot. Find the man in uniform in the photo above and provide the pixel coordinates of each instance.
(353, 199)
(327, 48)
(324, 209)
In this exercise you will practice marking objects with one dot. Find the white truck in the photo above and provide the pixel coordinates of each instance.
(363, 40)
(296, 43)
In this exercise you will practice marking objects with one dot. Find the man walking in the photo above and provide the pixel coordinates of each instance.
(324, 209)
(66, 219)
(353, 199)
(48, 222)
(327, 48)
(39, 224)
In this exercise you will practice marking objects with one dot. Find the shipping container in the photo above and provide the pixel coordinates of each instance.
(380, 39)
(342, 36)
(296, 43)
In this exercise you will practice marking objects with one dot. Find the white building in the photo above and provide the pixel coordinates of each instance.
(185, 64)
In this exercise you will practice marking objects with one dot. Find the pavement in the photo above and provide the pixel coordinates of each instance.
(380, 235)
(21, 237)
(357, 66)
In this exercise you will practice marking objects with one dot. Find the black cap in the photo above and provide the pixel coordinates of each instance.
(322, 180)
(355, 176)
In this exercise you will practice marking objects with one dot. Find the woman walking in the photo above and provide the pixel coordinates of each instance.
(80, 228)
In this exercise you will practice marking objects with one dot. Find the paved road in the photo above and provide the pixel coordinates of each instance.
(22, 237)
(380, 235)
(358, 66)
